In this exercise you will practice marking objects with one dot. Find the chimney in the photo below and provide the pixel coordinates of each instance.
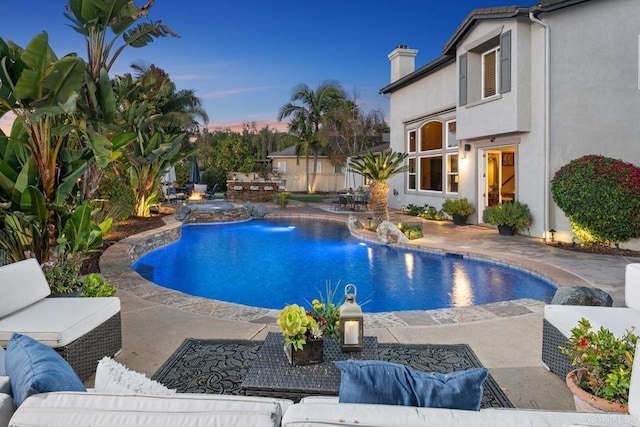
(403, 62)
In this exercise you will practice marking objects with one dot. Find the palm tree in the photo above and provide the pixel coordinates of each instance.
(378, 169)
(307, 119)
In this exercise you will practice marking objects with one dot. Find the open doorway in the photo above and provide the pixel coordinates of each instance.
(497, 176)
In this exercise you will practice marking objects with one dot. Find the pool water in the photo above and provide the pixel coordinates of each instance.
(273, 262)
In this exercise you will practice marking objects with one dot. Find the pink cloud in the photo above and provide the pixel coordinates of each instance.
(6, 122)
(224, 93)
(238, 125)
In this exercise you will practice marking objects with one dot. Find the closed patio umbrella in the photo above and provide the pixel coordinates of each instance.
(194, 172)
(170, 176)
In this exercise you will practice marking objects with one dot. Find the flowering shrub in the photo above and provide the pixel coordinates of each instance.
(601, 198)
(326, 311)
(607, 359)
(412, 231)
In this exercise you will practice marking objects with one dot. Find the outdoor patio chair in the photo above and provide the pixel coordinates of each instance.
(361, 201)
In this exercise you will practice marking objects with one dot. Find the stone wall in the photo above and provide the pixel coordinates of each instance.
(254, 191)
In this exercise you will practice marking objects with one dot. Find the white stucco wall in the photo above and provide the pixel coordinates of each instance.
(595, 100)
(409, 104)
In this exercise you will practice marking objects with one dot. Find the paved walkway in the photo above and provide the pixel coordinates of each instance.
(506, 337)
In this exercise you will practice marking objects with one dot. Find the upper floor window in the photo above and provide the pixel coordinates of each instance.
(484, 70)
(490, 73)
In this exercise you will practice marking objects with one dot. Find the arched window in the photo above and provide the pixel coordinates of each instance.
(433, 158)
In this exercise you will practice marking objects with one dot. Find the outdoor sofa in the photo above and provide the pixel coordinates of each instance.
(560, 319)
(59, 409)
(82, 330)
(146, 405)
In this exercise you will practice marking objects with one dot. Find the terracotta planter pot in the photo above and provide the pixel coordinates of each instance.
(310, 354)
(587, 402)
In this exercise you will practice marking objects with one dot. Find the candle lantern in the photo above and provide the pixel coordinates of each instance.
(351, 322)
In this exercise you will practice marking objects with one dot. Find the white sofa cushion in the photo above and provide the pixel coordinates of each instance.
(5, 385)
(22, 283)
(57, 322)
(97, 409)
(324, 413)
(7, 407)
(616, 319)
(632, 286)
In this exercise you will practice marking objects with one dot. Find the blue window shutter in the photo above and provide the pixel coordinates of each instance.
(505, 62)
(462, 61)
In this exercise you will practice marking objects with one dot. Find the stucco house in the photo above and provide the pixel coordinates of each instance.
(517, 93)
(293, 171)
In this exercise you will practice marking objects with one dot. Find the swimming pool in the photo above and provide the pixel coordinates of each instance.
(272, 262)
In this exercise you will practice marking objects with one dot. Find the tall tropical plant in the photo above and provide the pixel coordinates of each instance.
(308, 109)
(41, 162)
(379, 169)
(108, 27)
(159, 115)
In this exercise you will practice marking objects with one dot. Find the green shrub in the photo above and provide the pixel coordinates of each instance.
(515, 215)
(212, 176)
(117, 198)
(601, 198)
(426, 212)
(96, 286)
(63, 275)
(460, 207)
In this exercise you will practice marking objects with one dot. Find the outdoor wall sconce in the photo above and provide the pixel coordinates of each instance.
(466, 148)
(351, 322)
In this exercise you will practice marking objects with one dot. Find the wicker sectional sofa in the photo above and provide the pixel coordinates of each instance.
(82, 330)
(560, 319)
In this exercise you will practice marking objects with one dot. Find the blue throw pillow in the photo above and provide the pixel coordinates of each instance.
(35, 368)
(2, 370)
(379, 382)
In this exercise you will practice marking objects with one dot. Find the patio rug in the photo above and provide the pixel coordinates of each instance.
(219, 366)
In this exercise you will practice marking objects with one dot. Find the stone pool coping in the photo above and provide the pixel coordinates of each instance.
(116, 266)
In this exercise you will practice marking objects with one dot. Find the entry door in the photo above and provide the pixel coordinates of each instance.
(491, 178)
(497, 175)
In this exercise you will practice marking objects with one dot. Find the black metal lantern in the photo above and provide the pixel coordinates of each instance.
(351, 322)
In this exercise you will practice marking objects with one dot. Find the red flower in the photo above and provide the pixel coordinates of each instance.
(583, 342)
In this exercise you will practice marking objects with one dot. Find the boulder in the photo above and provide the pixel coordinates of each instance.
(353, 223)
(581, 295)
(258, 210)
(388, 233)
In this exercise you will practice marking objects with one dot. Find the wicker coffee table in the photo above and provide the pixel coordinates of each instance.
(272, 375)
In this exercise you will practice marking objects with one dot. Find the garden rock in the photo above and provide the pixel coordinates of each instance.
(581, 295)
(257, 210)
(389, 233)
(353, 223)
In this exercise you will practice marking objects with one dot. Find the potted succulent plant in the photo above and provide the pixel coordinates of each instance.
(509, 217)
(302, 335)
(604, 362)
(459, 209)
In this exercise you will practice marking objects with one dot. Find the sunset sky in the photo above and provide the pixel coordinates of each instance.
(243, 58)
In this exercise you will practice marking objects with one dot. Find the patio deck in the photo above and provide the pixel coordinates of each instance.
(506, 337)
